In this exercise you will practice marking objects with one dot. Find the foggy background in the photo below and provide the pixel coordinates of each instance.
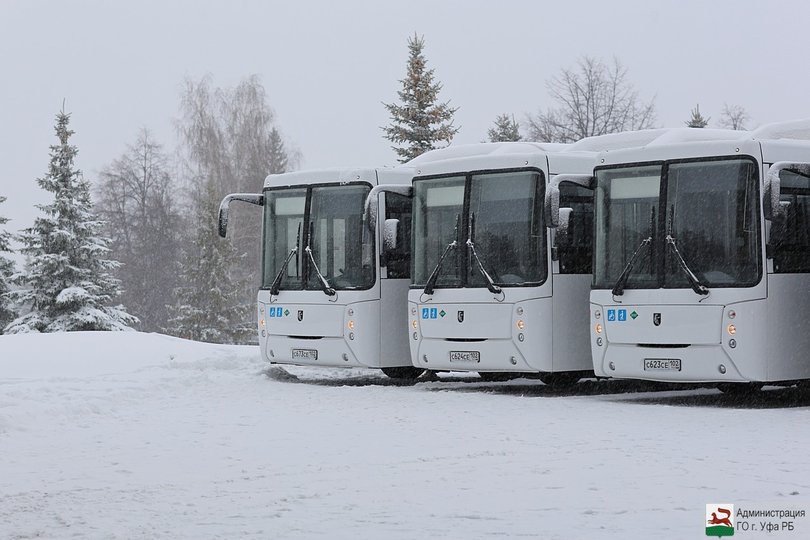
(327, 66)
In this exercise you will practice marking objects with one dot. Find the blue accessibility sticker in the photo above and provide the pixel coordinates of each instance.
(622, 314)
(611, 314)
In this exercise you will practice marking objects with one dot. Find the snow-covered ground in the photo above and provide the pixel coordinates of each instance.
(129, 435)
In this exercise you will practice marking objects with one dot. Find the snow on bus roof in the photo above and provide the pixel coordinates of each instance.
(650, 137)
(795, 129)
(481, 149)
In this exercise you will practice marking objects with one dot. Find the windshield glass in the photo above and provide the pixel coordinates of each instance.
(437, 208)
(626, 202)
(508, 229)
(709, 212)
(283, 219)
(712, 215)
(504, 216)
(335, 222)
(333, 230)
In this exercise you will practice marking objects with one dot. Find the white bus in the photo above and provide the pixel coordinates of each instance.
(702, 257)
(331, 294)
(490, 293)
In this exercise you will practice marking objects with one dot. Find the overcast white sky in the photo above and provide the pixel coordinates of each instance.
(327, 65)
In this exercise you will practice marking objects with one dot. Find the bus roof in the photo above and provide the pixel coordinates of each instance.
(484, 149)
(371, 175)
(795, 130)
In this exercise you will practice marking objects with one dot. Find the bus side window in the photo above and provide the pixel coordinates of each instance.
(791, 251)
(398, 261)
(576, 257)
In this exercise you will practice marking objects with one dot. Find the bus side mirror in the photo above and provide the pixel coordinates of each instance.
(771, 191)
(552, 205)
(552, 200)
(370, 217)
(222, 220)
(563, 234)
(390, 231)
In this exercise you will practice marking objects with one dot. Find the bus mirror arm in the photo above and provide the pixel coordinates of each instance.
(552, 199)
(222, 221)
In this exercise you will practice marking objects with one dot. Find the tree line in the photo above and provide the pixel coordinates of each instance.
(139, 249)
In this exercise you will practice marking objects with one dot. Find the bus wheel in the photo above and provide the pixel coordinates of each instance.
(407, 373)
(561, 379)
(740, 389)
(499, 376)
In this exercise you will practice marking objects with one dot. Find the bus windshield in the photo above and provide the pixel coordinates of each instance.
(490, 226)
(328, 220)
(700, 217)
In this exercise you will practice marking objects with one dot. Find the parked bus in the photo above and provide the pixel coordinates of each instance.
(701, 267)
(330, 294)
(490, 291)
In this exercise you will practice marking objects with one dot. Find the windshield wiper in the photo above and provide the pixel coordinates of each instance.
(274, 288)
(494, 289)
(434, 276)
(697, 286)
(694, 282)
(618, 288)
(327, 289)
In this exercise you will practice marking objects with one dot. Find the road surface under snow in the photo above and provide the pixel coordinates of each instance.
(132, 435)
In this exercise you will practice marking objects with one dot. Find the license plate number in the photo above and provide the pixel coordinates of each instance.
(305, 354)
(662, 364)
(465, 356)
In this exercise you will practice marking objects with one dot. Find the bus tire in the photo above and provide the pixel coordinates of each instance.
(407, 373)
(740, 389)
(499, 376)
(560, 379)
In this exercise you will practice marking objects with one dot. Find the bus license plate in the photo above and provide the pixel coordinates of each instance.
(465, 356)
(662, 364)
(304, 354)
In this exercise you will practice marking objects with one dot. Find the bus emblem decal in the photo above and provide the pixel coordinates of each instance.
(460, 316)
(300, 314)
(657, 319)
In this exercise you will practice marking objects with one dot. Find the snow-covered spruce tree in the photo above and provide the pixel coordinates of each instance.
(504, 130)
(418, 122)
(207, 303)
(697, 120)
(66, 284)
(7, 313)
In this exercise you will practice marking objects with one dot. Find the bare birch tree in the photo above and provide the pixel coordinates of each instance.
(733, 117)
(137, 200)
(229, 142)
(592, 99)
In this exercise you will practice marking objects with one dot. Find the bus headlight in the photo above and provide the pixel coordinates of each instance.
(598, 328)
(350, 324)
(414, 324)
(731, 329)
(520, 324)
